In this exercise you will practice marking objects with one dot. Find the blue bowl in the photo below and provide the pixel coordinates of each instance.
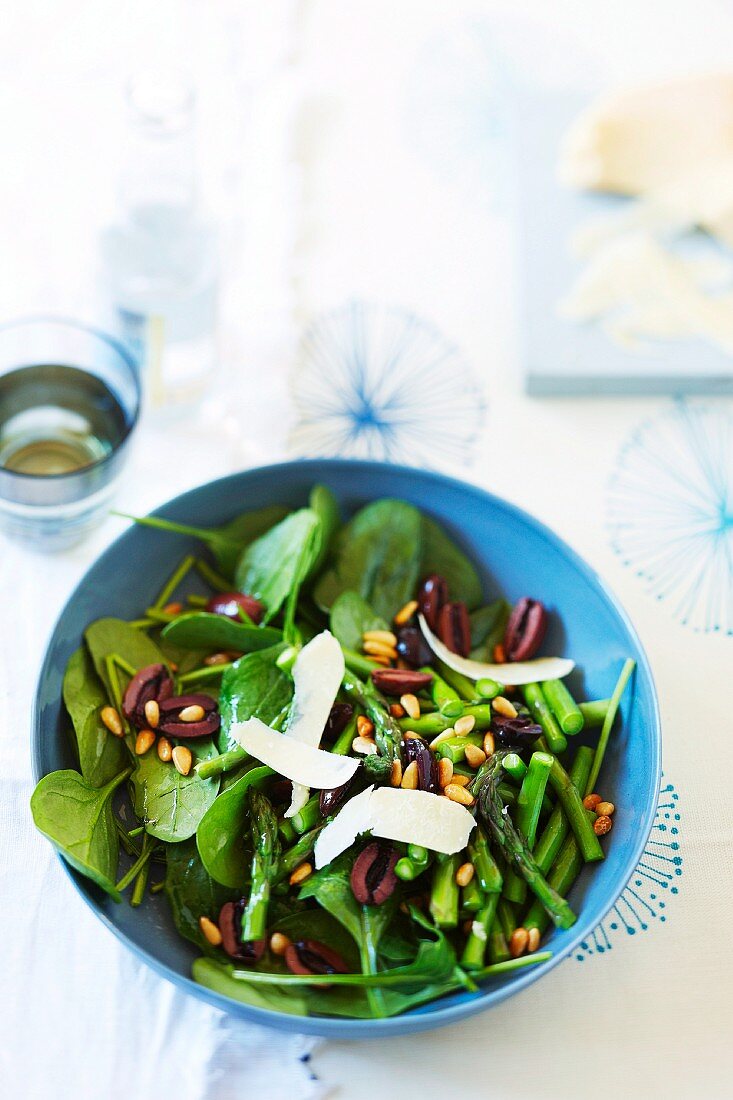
(518, 556)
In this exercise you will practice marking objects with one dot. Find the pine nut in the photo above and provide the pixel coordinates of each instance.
(384, 637)
(113, 722)
(385, 662)
(380, 649)
(518, 942)
(405, 613)
(152, 713)
(410, 735)
(504, 707)
(591, 801)
(300, 874)
(144, 740)
(489, 743)
(365, 746)
(458, 794)
(444, 736)
(464, 725)
(192, 714)
(172, 665)
(474, 756)
(411, 705)
(165, 749)
(182, 759)
(464, 874)
(396, 711)
(605, 809)
(410, 777)
(217, 659)
(461, 780)
(174, 608)
(210, 931)
(395, 776)
(445, 771)
(533, 939)
(499, 655)
(602, 825)
(364, 726)
(279, 943)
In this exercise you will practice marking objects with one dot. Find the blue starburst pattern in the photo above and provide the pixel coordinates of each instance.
(670, 511)
(378, 382)
(455, 104)
(653, 883)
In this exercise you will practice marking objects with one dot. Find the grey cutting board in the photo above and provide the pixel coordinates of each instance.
(561, 357)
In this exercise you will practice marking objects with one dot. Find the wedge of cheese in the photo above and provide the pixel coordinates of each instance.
(643, 139)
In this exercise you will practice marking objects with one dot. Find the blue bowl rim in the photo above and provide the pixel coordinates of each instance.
(346, 1028)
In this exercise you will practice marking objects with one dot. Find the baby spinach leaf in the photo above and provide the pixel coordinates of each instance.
(331, 888)
(351, 615)
(78, 820)
(272, 567)
(169, 804)
(203, 630)
(326, 507)
(254, 687)
(378, 555)
(101, 756)
(217, 976)
(191, 891)
(487, 628)
(441, 555)
(309, 555)
(222, 836)
(107, 636)
(227, 542)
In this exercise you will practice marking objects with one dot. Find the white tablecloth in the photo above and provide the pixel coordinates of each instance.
(368, 206)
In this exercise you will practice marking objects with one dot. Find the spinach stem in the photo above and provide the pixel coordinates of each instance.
(173, 581)
(206, 673)
(605, 733)
(211, 576)
(142, 859)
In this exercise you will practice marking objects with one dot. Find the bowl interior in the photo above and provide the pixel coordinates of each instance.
(518, 556)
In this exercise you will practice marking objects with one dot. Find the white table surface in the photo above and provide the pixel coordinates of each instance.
(367, 196)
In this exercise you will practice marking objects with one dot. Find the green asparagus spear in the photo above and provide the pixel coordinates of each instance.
(440, 691)
(454, 748)
(542, 714)
(472, 897)
(514, 847)
(304, 820)
(488, 689)
(466, 688)
(444, 891)
(265, 855)
(594, 713)
(387, 733)
(488, 873)
(297, 854)
(566, 870)
(432, 724)
(474, 952)
(563, 706)
(557, 827)
(529, 804)
(572, 804)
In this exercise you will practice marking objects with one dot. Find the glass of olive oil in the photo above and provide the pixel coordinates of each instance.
(69, 401)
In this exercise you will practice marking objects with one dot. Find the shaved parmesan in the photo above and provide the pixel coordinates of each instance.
(510, 673)
(317, 675)
(341, 833)
(412, 817)
(296, 761)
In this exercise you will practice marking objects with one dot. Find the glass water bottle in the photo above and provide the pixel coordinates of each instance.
(159, 262)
